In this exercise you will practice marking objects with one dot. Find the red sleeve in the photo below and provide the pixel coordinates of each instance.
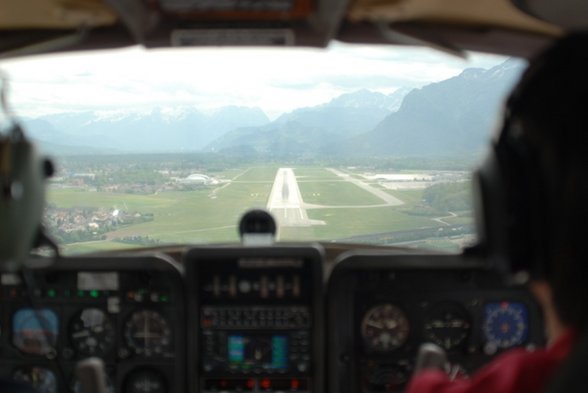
(430, 381)
(516, 371)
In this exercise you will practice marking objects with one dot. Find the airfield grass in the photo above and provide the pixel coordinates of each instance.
(343, 223)
(95, 246)
(258, 174)
(229, 173)
(211, 214)
(306, 174)
(74, 197)
(409, 197)
(436, 244)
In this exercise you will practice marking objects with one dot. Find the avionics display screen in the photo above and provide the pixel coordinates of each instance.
(258, 352)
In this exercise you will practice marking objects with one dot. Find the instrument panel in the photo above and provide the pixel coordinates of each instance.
(127, 311)
(256, 319)
(381, 308)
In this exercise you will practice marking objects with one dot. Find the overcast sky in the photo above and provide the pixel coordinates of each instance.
(276, 80)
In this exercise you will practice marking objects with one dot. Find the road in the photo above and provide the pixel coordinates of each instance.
(285, 201)
(389, 199)
(441, 220)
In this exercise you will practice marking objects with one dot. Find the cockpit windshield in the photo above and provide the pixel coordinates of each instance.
(355, 143)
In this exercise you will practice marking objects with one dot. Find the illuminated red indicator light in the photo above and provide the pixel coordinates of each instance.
(265, 384)
(504, 305)
(295, 384)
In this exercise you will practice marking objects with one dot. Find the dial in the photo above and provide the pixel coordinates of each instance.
(505, 324)
(35, 330)
(92, 332)
(145, 381)
(148, 333)
(41, 379)
(384, 328)
(448, 325)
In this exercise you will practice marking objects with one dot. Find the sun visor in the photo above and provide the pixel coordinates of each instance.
(571, 15)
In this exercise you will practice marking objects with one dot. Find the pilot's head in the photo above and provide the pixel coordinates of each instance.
(534, 186)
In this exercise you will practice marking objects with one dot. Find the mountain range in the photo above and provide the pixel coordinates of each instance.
(160, 130)
(454, 116)
(318, 129)
(449, 117)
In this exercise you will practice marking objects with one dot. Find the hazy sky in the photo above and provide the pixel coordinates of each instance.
(276, 80)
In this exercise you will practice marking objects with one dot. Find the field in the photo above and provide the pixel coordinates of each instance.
(339, 209)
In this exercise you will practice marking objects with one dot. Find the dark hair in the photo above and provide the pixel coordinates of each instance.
(550, 108)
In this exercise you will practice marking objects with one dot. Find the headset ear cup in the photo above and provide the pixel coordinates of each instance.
(22, 177)
(490, 206)
(508, 204)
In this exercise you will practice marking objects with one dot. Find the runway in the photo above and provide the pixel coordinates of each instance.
(285, 201)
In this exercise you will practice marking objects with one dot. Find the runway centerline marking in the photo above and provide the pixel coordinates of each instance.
(285, 201)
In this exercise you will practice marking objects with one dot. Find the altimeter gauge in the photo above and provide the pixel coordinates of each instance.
(92, 332)
(384, 327)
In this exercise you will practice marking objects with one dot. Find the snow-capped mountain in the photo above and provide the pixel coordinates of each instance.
(162, 129)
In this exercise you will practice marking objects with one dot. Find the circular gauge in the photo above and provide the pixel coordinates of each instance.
(505, 324)
(448, 325)
(92, 332)
(145, 381)
(35, 330)
(148, 333)
(41, 379)
(384, 328)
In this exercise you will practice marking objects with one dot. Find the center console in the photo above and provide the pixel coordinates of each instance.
(255, 317)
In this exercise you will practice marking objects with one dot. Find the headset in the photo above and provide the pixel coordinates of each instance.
(522, 211)
(22, 197)
(22, 193)
(507, 192)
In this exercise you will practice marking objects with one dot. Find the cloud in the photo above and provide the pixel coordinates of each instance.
(276, 80)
